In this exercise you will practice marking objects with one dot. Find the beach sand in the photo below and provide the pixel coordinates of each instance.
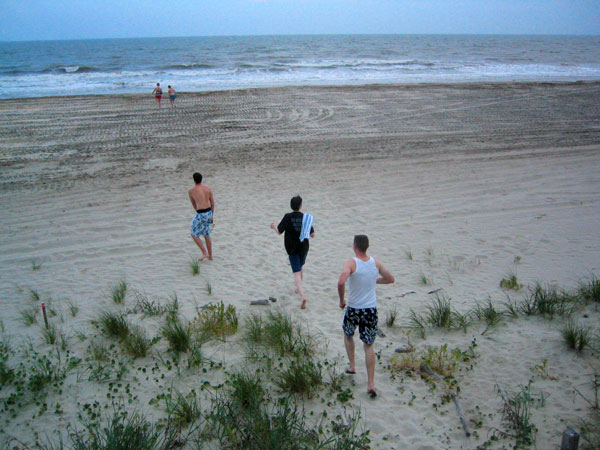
(475, 181)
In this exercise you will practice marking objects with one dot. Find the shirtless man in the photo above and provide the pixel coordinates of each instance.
(362, 273)
(202, 200)
(157, 94)
(172, 96)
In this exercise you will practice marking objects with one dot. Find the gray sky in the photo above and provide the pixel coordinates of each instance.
(81, 19)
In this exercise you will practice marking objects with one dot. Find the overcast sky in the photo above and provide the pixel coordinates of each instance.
(84, 19)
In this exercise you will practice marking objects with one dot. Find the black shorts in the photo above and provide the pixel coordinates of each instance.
(366, 319)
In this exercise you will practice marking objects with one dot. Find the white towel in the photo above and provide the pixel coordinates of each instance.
(307, 221)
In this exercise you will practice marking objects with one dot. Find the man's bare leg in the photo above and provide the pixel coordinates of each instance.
(349, 343)
(209, 246)
(370, 363)
(199, 243)
(298, 282)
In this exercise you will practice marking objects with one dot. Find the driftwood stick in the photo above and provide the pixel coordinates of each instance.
(425, 368)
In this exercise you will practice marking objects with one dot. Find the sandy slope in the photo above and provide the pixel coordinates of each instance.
(466, 177)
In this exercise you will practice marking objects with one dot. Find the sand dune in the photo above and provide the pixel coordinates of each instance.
(467, 178)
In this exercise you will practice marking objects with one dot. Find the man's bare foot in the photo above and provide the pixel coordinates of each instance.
(303, 304)
(203, 258)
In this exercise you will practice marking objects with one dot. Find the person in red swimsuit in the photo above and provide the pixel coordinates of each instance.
(157, 94)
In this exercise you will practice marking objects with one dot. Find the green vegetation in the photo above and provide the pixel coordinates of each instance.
(589, 289)
(216, 320)
(391, 315)
(118, 292)
(178, 335)
(137, 343)
(575, 336)
(516, 415)
(511, 282)
(29, 315)
(302, 376)
(195, 266)
(113, 325)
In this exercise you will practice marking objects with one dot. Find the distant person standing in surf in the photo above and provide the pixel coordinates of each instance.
(157, 94)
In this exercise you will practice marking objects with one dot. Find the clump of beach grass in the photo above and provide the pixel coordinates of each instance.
(488, 312)
(391, 316)
(29, 315)
(122, 431)
(439, 314)
(137, 343)
(246, 390)
(114, 325)
(208, 288)
(408, 253)
(285, 337)
(589, 289)
(510, 282)
(216, 320)
(547, 300)
(178, 336)
(118, 292)
(425, 280)
(269, 426)
(516, 415)
(73, 308)
(302, 376)
(98, 352)
(576, 336)
(195, 266)
(183, 410)
(34, 296)
(50, 334)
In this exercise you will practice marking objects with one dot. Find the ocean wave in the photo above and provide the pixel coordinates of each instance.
(70, 69)
(186, 66)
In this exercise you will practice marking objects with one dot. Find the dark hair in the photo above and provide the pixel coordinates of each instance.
(169, 86)
(296, 203)
(197, 178)
(158, 84)
(362, 242)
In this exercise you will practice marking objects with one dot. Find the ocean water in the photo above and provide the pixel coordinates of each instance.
(112, 66)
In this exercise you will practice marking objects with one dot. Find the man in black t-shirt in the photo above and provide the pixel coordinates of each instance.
(296, 249)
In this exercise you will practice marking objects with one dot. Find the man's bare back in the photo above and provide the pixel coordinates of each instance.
(201, 197)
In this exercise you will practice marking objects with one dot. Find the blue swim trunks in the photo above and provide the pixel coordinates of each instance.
(201, 224)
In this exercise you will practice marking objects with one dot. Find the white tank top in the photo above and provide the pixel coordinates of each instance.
(362, 285)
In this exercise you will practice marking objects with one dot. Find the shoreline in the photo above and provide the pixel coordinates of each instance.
(415, 85)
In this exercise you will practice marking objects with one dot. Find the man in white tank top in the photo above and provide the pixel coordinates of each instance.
(362, 273)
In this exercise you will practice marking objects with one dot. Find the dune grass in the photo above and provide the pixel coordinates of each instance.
(98, 352)
(425, 280)
(576, 336)
(114, 325)
(408, 253)
(391, 315)
(280, 334)
(510, 282)
(216, 320)
(137, 343)
(488, 312)
(178, 336)
(547, 300)
(589, 289)
(208, 288)
(183, 410)
(122, 431)
(118, 292)
(302, 376)
(28, 315)
(195, 266)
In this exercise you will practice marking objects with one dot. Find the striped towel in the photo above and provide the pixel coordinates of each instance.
(307, 221)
